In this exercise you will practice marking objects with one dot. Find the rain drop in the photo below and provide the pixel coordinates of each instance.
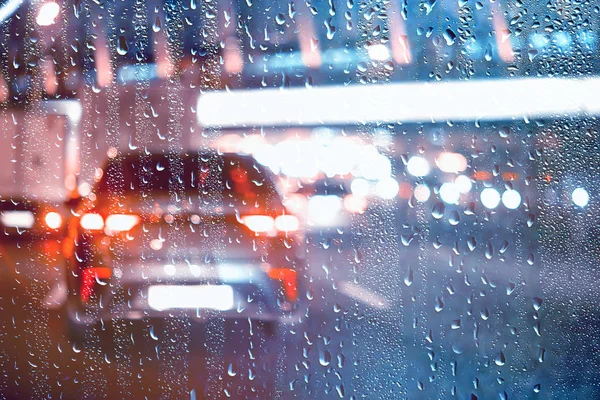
(408, 278)
(500, 359)
(122, 47)
(324, 358)
(449, 37)
(157, 25)
(438, 210)
(454, 218)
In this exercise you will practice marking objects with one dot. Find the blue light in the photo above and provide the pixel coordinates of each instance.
(562, 40)
(587, 39)
(539, 41)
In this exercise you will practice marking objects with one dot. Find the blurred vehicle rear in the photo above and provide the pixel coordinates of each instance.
(35, 219)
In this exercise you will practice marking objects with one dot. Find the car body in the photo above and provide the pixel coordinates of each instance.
(200, 235)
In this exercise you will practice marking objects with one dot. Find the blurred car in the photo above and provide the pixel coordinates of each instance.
(28, 218)
(204, 235)
(326, 204)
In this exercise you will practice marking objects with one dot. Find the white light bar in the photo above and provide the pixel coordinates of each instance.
(9, 8)
(498, 99)
(215, 297)
(17, 219)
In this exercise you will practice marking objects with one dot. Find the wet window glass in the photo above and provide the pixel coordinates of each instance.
(318, 199)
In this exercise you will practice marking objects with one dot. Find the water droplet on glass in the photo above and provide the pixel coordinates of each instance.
(500, 359)
(438, 210)
(122, 47)
(531, 259)
(489, 251)
(449, 37)
(429, 4)
(157, 25)
(324, 358)
(488, 53)
(485, 314)
(510, 288)
(541, 354)
(471, 243)
(231, 371)
(357, 255)
(532, 54)
(406, 239)
(408, 278)
(537, 328)
(439, 304)
(454, 218)
(330, 28)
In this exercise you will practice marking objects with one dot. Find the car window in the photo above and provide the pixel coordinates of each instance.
(236, 180)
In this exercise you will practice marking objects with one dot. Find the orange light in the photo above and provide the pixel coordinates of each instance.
(510, 176)
(121, 222)
(92, 222)
(53, 220)
(89, 278)
(287, 223)
(482, 175)
(289, 279)
(259, 223)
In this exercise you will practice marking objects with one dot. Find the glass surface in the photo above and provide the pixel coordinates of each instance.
(299, 199)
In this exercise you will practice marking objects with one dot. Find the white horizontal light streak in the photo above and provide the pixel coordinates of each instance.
(215, 297)
(496, 99)
(9, 8)
(17, 219)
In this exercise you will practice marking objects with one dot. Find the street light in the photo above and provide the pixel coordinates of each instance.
(48, 13)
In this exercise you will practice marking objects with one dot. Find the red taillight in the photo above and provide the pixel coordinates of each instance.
(267, 224)
(289, 280)
(89, 276)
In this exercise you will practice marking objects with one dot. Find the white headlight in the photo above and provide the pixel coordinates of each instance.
(418, 166)
(463, 183)
(449, 193)
(511, 199)
(387, 188)
(422, 193)
(580, 197)
(490, 198)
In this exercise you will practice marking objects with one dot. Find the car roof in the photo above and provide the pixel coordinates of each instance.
(135, 155)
